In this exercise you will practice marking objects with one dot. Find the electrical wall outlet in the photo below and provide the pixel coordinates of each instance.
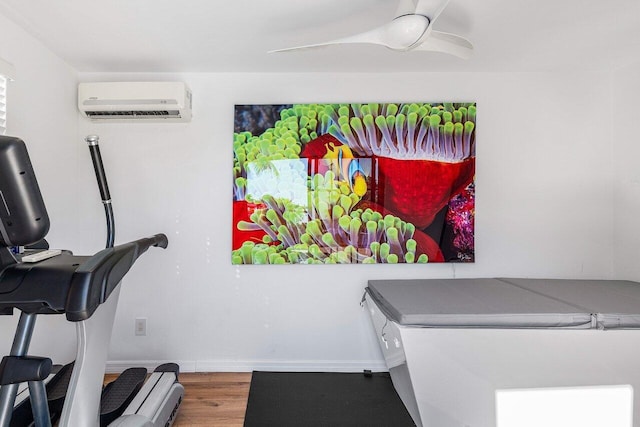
(141, 326)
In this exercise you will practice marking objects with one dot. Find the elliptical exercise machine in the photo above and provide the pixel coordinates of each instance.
(83, 288)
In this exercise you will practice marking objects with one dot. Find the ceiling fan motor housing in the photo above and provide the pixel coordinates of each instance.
(405, 31)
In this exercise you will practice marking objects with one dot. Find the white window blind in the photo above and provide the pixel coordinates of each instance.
(3, 104)
(6, 73)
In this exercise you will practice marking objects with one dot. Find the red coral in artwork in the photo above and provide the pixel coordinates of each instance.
(418, 189)
(242, 211)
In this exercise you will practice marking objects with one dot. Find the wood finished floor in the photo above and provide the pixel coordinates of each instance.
(212, 399)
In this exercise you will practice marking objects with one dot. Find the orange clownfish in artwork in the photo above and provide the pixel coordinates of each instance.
(348, 167)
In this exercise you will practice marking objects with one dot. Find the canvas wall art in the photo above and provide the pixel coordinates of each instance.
(354, 183)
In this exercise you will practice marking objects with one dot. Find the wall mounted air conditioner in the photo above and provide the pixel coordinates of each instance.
(135, 101)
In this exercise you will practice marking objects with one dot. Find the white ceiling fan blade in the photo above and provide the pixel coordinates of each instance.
(302, 47)
(399, 34)
(452, 44)
(374, 36)
(431, 8)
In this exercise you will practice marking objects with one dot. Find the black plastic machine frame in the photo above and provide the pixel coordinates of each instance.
(65, 284)
(69, 284)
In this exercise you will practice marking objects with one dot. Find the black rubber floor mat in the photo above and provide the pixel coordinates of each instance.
(324, 399)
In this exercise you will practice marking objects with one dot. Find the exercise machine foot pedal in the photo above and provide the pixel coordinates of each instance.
(57, 391)
(157, 402)
(117, 395)
(169, 367)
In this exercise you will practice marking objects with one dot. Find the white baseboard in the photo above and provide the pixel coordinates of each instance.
(117, 366)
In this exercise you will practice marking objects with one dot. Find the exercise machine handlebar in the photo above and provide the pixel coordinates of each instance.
(74, 285)
(97, 277)
(101, 177)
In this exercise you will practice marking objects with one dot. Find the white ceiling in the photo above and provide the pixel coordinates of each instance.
(219, 36)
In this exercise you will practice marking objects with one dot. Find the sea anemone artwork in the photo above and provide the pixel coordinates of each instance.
(355, 183)
(425, 153)
(330, 231)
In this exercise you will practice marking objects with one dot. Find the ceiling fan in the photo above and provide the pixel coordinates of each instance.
(411, 29)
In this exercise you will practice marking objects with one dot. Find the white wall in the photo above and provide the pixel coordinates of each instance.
(40, 111)
(544, 206)
(626, 147)
(544, 209)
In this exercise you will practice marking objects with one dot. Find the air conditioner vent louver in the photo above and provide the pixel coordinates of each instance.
(135, 101)
(116, 114)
